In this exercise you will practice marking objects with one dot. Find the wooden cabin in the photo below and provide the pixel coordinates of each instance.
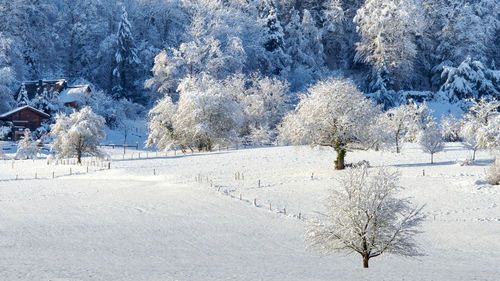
(37, 87)
(75, 96)
(24, 117)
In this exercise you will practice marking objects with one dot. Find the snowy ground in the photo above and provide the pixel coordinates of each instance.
(151, 219)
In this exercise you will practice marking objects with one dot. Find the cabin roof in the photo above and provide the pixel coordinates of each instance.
(39, 112)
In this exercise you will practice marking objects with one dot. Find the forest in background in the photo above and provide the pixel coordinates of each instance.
(141, 50)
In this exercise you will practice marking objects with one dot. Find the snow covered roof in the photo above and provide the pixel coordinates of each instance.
(38, 87)
(24, 107)
(75, 94)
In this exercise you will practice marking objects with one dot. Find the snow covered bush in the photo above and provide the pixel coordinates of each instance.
(430, 139)
(27, 148)
(493, 172)
(78, 133)
(333, 113)
(365, 216)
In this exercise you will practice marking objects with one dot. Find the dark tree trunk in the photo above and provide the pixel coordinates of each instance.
(365, 261)
(79, 155)
(339, 163)
(474, 155)
(432, 158)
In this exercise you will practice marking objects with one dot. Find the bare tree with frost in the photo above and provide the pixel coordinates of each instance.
(364, 216)
(431, 140)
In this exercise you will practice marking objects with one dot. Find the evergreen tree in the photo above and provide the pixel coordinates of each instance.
(126, 62)
(22, 97)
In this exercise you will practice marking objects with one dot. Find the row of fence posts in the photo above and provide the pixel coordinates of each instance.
(93, 163)
(240, 176)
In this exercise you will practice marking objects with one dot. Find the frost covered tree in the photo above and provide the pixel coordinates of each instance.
(396, 122)
(206, 116)
(274, 42)
(46, 101)
(388, 29)
(333, 113)
(27, 148)
(451, 127)
(126, 62)
(364, 215)
(480, 125)
(431, 140)
(78, 133)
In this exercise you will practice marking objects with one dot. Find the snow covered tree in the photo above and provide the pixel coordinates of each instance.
(334, 113)
(27, 148)
(430, 139)
(274, 42)
(388, 29)
(162, 134)
(470, 80)
(78, 133)
(304, 46)
(46, 101)
(451, 127)
(207, 115)
(396, 123)
(126, 62)
(22, 97)
(365, 216)
(480, 125)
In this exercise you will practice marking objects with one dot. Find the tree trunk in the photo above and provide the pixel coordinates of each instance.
(339, 163)
(474, 155)
(365, 261)
(79, 155)
(432, 158)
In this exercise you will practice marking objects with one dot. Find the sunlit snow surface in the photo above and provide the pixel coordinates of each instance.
(128, 224)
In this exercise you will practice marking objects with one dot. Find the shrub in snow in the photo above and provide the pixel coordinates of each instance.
(493, 172)
(26, 147)
(430, 139)
(78, 133)
(365, 216)
(5, 131)
(482, 126)
(334, 113)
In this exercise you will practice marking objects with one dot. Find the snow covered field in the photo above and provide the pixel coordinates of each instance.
(151, 219)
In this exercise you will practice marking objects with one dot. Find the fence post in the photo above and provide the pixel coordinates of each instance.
(259, 183)
(70, 171)
(52, 174)
(136, 145)
(109, 165)
(284, 211)
(255, 202)
(270, 209)
(36, 176)
(154, 172)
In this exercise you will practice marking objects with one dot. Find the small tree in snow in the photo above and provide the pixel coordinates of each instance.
(451, 127)
(22, 97)
(26, 147)
(334, 113)
(365, 217)
(430, 139)
(78, 133)
(481, 125)
(396, 122)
